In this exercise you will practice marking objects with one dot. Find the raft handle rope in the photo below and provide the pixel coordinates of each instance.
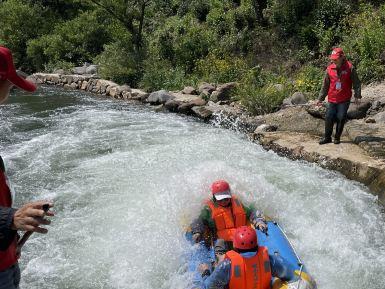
(295, 253)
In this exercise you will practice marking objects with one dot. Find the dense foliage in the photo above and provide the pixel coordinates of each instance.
(262, 44)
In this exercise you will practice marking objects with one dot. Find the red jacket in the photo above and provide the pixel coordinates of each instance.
(7, 257)
(340, 88)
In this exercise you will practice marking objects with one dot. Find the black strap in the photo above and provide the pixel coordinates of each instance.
(2, 167)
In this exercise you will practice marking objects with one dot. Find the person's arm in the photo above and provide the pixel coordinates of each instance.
(356, 83)
(325, 87)
(255, 217)
(7, 235)
(280, 268)
(206, 218)
(218, 279)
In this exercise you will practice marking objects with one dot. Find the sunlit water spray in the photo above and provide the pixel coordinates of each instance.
(126, 181)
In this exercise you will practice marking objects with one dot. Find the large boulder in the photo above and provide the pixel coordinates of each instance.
(79, 70)
(377, 106)
(172, 105)
(92, 69)
(159, 97)
(206, 88)
(189, 90)
(185, 108)
(223, 92)
(358, 111)
(297, 98)
(202, 112)
(379, 117)
(295, 119)
(140, 95)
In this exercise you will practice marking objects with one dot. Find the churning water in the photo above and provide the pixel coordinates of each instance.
(126, 180)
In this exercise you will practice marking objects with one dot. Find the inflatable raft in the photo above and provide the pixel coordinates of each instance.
(277, 243)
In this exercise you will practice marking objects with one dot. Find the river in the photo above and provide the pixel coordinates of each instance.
(125, 182)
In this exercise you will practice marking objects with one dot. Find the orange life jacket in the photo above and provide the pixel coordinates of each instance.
(227, 219)
(250, 273)
(7, 257)
(340, 88)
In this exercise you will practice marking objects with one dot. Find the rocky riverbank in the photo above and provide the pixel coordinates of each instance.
(293, 131)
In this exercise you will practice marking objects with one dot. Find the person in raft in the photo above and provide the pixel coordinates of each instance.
(224, 212)
(29, 217)
(247, 266)
(340, 77)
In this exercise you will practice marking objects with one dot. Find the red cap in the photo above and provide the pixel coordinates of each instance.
(336, 53)
(245, 238)
(8, 71)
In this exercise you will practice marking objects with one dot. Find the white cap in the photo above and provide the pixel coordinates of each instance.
(223, 195)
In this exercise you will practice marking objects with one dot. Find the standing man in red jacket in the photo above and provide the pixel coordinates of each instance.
(30, 216)
(340, 78)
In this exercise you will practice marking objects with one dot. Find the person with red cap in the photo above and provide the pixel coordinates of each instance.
(29, 217)
(224, 212)
(246, 266)
(340, 77)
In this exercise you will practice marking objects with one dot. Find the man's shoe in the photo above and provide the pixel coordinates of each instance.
(325, 140)
(337, 140)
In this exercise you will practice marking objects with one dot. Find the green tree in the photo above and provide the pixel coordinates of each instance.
(20, 22)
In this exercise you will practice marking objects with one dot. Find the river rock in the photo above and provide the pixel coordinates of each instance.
(115, 92)
(296, 119)
(358, 111)
(202, 112)
(84, 85)
(206, 88)
(297, 98)
(189, 90)
(79, 70)
(159, 97)
(265, 128)
(126, 94)
(185, 108)
(377, 106)
(379, 117)
(223, 92)
(140, 95)
(159, 108)
(92, 69)
(35, 79)
(172, 105)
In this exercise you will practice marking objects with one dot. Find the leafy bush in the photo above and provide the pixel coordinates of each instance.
(20, 22)
(161, 74)
(74, 41)
(213, 69)
(309, 80)
(181, 41)
(287, 15)
(119, 62)
(261, 92)
(366, 41)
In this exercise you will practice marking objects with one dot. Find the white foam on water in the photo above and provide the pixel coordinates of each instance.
(126, 181)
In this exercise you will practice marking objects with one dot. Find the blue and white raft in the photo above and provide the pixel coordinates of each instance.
(277, 243)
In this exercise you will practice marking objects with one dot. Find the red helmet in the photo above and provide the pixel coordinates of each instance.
(219, 186)
(245, 238)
